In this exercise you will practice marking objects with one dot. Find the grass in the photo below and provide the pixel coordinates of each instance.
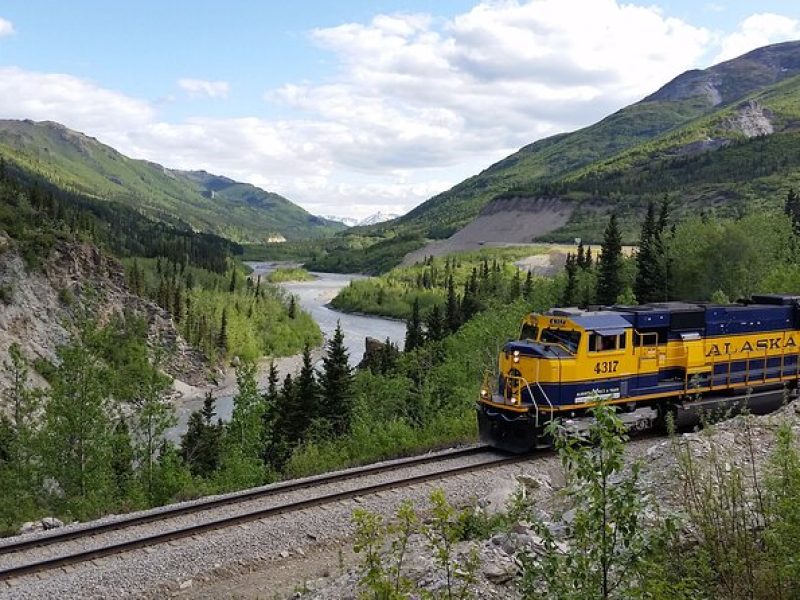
(285, 274)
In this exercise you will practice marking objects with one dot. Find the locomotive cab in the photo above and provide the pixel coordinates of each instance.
(563, 360)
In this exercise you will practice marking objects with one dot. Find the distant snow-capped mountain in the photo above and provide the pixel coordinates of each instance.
(378, 217)
(349, 221)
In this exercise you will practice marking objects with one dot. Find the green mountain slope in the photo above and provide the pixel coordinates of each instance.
(699, 107)
(77, 162)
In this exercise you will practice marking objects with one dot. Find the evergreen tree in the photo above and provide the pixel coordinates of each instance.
(661, 285)
(387, 358)
(452, 308)
(232, 285)
(792, 209)
(646, 287)
(200, 445)
(571, 268)
(287, 426)
(580, 260)
(470, 302)
(414, 334)
(299, 402)
(222, 338)
(527, 288)
(292, 307)
(435, 325)
(588, 261)
(307, 387)
(515, 287)
(336, 382)
(272, 383)
(609, 281)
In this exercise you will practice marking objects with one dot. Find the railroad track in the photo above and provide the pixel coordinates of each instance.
(88, 543)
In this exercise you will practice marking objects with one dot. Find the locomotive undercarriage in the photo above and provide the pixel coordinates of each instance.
(521, 432)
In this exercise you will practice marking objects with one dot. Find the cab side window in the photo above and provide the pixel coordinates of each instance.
(606, 343)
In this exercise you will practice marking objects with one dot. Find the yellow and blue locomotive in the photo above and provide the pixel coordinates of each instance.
(672, 358)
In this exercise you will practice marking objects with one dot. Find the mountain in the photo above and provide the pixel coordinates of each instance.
(378, 217)
(723, 138)
(349, 221)
(373, 219)
(199, 200)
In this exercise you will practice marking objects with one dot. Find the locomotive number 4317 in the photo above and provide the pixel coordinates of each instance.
(606, 366)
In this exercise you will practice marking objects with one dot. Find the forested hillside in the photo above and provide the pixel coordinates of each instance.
(193, 279)
(184, 199)
(723, 139)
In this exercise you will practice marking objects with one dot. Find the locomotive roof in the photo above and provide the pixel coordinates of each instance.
(596, 320)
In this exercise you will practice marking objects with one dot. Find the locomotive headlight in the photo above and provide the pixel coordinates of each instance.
(516, 356)
(484, 393)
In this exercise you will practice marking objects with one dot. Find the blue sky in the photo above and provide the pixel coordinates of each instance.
(354, 106)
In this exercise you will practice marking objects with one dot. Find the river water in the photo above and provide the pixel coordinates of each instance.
(313, 297)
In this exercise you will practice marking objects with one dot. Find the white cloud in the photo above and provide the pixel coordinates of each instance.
(415, 104)
(758, 30)
(75, 102)
(6, 27)
(202, 88)
(413, 93)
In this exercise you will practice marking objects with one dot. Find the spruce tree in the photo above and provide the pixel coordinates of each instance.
(272, 383)
(287, 428)
(435, 325)
(646, 285)
(452, 308)
(661, 283)
(200, 445)
(527, 288)
(609, 281)
(292, 307)
(122, 459)
(303, 401)
(336, 382)
(222, 338)
(414, 335)
(387, 358)
(515, 287)
(571, 268)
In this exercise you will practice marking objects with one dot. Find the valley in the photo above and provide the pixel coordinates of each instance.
(314, 297)
(169, 334)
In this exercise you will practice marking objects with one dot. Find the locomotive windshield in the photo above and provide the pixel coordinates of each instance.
(529, 333)
(567, 339)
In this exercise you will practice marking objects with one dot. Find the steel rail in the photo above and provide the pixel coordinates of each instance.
(224, 522)
(168, 512)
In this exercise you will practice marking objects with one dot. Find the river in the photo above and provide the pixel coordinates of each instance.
(313, 297)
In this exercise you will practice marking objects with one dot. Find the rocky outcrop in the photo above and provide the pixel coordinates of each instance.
(41, 306)
(750, 119)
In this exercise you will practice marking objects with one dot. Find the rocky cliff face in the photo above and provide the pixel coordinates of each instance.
(39, 308)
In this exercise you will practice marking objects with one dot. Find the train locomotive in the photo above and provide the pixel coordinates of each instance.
(683, 359)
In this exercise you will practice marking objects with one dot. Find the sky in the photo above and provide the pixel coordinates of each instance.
(356, 106)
